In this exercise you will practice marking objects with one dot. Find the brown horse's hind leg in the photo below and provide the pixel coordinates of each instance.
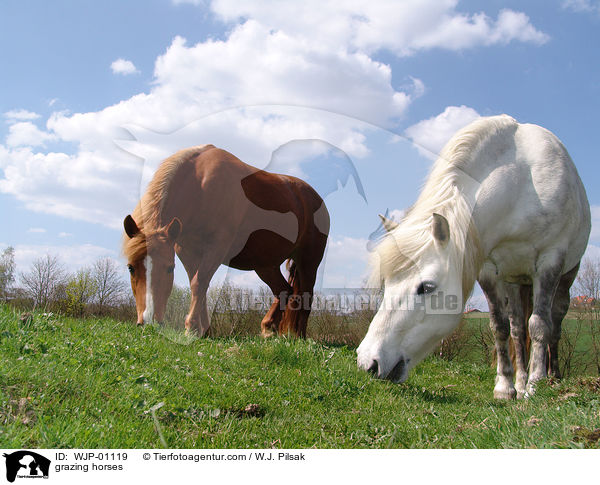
(303, 275)
(295, 318)
(281, 289)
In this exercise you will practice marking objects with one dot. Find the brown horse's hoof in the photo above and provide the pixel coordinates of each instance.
(267, 333)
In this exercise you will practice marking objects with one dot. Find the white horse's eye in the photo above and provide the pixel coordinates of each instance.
(426, 287)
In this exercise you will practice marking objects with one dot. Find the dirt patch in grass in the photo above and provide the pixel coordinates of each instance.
(587, 436)
(18, 409)
(592, 383)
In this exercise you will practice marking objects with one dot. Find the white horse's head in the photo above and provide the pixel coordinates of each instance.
(422, 273)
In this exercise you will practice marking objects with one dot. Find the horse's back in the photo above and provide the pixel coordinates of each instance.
(557, 192)
(234, 205)
(533, 201)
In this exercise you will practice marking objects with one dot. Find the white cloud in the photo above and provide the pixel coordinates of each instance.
(592, 252)
(595, 233)
(26, 133)
(291, 71)
(397, 214)
(582, 6)
(20, 115)
(346, 263)
(402, 27)
(430, 135)
(122, 66)
(74, 257)
(288, 71)
(73, 186)
(64, 234)
(39, 230)
(196, 84)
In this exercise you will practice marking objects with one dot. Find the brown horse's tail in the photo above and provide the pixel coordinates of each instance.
(290, 265)
(290, 321)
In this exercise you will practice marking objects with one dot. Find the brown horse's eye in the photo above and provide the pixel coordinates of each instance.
(130, 268)
(170, 269)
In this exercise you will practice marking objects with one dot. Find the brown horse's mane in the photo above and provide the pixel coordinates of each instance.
(147, 213)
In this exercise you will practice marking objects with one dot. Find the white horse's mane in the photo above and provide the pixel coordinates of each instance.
(401, 248)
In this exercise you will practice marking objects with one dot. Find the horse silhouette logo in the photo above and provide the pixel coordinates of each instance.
(26, 464)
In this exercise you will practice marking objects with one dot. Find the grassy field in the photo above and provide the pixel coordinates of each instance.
(579, 347)
(99, 383)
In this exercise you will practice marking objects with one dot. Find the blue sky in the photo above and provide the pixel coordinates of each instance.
(378, 80)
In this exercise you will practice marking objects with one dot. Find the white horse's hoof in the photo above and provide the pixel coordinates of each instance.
(510, 394)
(504, 388)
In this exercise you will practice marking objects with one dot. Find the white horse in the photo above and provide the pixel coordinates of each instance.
(503, 205)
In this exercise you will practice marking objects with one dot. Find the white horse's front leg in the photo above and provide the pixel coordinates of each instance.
(494, 292)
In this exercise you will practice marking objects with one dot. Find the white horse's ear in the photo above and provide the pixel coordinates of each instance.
(440, 230)
(388, 223)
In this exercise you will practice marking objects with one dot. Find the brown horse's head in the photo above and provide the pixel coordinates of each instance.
(151, 261)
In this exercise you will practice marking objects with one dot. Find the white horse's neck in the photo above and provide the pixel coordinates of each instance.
(520, 183)
(455, 189)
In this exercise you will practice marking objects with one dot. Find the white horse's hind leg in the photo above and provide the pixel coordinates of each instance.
(516, 316)
(540, 322)
(560, 306)
(494, 292)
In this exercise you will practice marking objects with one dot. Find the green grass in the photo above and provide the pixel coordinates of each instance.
(99, 383)
(578, 347)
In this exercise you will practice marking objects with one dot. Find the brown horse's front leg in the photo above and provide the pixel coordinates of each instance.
(198, 320)
(270, 323)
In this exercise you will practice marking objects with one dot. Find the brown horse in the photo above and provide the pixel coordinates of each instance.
(211, 208)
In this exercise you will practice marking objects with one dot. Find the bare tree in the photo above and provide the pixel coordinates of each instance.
(43, 282)
(7, 271)
(588, 279)
(80, 289)
(108, 282)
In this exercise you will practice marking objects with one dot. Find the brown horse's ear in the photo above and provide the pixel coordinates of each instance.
(440, 230)
(131, 228)
(174, 229)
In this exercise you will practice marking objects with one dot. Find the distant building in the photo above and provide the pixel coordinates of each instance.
(583, 302)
